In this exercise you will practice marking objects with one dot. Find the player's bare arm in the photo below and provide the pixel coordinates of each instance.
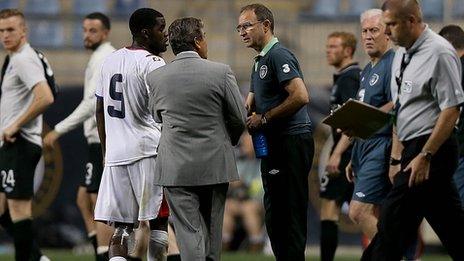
(334, 160)
(100, 117)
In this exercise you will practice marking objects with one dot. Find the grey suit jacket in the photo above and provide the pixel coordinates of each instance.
(203, 116)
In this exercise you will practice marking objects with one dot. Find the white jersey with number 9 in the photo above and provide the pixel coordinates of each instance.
(131, 132)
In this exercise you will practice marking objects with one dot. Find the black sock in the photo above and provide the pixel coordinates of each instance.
(6, 223)
(103, 257)
(36, 253)
(131, 258)
(93, 241)
(329, 239)
(174, 257)
(23, 239)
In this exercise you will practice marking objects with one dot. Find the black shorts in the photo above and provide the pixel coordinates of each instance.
(337, 187)
(18, 161)
(93, 168)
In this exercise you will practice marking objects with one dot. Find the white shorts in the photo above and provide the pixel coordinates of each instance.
(127, 193)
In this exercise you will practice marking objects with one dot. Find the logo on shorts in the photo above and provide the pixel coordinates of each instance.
(360, 194)
(373, 80)
(285, 68)
(274, 171)
(262, 71)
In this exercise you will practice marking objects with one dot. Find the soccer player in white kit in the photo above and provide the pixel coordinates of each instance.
(95, 33)
(129, 137)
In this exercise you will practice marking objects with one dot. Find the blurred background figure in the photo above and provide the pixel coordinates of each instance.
(244, 207)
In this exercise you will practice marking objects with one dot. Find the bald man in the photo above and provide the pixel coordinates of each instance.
(426, 89)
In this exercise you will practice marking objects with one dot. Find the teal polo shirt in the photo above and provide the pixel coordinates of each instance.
(274, 67)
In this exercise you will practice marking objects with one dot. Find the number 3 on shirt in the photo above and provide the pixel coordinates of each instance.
(117, 96)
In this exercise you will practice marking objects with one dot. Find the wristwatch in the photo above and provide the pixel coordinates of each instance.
(426, 154)
(394, 162)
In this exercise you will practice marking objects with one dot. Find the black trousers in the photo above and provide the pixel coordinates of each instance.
(285, 179)
(436, 200)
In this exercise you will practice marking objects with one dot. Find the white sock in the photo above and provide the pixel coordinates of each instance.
(118, 258)
(157, 246)
(102, 249)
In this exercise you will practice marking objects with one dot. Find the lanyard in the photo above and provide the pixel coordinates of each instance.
(399, 80)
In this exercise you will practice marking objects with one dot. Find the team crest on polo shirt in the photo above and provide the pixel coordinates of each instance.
(374, 79)
(263, 71)
(407, 87)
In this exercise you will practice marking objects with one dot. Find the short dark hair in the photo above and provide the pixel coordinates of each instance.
(143, 18)
(102, 17)
(262, 13)
(454, 34)
(348, 40)
(7, 13)
(183, 32)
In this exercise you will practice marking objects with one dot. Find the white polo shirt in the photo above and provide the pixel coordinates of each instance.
(24, 71)
(431, 83)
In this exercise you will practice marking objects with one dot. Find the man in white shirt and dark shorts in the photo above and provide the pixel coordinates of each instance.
(129, 138)
(96, 28)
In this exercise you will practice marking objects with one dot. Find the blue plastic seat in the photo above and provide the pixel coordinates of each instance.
(42, 7)
(127, 7)
(458, 8)
(327, 8)
(84, 7)
(5, 4)
(432, 9)
(357, 7)
(47, 34)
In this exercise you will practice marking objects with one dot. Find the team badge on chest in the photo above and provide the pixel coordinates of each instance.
(374, 79)
(262, 71)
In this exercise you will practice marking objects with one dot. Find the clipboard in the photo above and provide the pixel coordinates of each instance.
(362, 119)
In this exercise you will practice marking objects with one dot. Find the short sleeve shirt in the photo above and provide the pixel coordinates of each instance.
(431, 82)
(131, 131)
(273, 68)
(375, 86)
(23, 72)
(346, 85)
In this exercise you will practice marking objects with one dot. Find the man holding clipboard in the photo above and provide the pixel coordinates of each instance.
(370, 157)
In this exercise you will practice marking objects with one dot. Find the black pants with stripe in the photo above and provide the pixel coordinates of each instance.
(436, 200)
(285, 174)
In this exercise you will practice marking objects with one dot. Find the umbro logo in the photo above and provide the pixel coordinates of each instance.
(360, 194)
(274, 171)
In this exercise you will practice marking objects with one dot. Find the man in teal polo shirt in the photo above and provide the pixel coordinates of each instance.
(276, 105)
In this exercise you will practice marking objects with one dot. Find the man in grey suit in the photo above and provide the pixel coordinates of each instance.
(203, 115)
